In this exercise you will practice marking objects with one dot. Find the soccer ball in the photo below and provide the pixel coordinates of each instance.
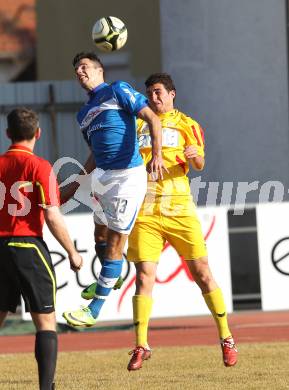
(109, 33)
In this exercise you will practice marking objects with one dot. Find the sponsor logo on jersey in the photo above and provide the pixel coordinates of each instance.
(130, 94)
(93, 128)
(90, 116)
(170, 138)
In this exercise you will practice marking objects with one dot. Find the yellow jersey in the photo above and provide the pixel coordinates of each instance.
(178, 131)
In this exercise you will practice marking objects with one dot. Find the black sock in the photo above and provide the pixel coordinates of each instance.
(46, 355)
(100, 248)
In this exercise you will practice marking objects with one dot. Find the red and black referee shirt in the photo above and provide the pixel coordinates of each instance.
(27, 185)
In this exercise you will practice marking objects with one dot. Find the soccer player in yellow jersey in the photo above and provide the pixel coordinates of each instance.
(168, 214)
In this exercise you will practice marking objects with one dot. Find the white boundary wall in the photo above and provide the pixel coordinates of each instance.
(174, 293)
(273, 242)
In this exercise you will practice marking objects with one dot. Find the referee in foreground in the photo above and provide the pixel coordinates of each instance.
(29, 195)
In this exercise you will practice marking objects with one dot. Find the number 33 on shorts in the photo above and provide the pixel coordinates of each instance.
(121, 206)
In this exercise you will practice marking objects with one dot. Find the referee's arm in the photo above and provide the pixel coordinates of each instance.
(57, 227)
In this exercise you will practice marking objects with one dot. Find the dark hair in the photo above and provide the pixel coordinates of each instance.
(22, 124)
(162, 78)
(90, 55)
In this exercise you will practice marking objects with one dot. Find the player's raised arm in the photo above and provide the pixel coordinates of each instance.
(67, 191)
(155, 165)
(195, 149)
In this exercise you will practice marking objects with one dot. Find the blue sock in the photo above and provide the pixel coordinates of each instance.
(110, 272)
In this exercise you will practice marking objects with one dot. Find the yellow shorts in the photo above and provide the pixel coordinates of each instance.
(150, 233)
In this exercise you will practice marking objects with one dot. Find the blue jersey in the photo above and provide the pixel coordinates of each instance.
(108, 124)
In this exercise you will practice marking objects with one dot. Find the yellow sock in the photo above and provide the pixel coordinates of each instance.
(142, 307)
(216, 304)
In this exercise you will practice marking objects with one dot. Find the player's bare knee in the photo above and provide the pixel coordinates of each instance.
(198, 266)
(44, 321)
(201, 272)
(205, 280)
(3, 315)
(100, 234)
(114, 251)
(145, 280)
(115, 245)
(142, 278)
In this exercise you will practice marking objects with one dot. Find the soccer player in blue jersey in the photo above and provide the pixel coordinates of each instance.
(108, 124)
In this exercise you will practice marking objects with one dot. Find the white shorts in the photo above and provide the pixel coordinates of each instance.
(118, 196)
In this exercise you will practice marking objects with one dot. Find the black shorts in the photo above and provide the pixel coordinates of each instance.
(26, 269)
